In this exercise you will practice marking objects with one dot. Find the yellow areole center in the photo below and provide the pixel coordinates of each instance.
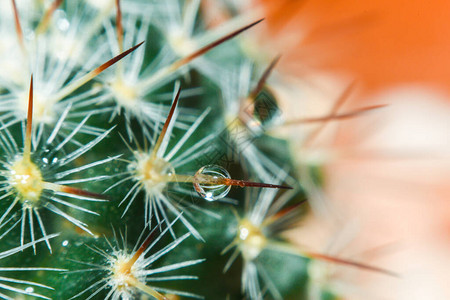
(153, 172)
(26, 178)
(126, 94)
(252, 240)
(122, 272)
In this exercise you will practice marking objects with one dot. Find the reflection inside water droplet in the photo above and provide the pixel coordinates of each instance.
(205, 185)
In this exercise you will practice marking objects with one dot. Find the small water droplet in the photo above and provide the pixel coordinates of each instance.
(62, 22)
(65, 243)
(209, 190)
(29, 289)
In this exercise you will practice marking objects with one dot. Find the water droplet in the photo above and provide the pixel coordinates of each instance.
(29, 289)
(65, 243)
(209, 190)
(62, 22)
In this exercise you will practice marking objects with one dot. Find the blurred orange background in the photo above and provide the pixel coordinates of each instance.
(384, 42)
(393, 176)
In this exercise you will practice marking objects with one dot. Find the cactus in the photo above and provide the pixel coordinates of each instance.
(136, 162)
